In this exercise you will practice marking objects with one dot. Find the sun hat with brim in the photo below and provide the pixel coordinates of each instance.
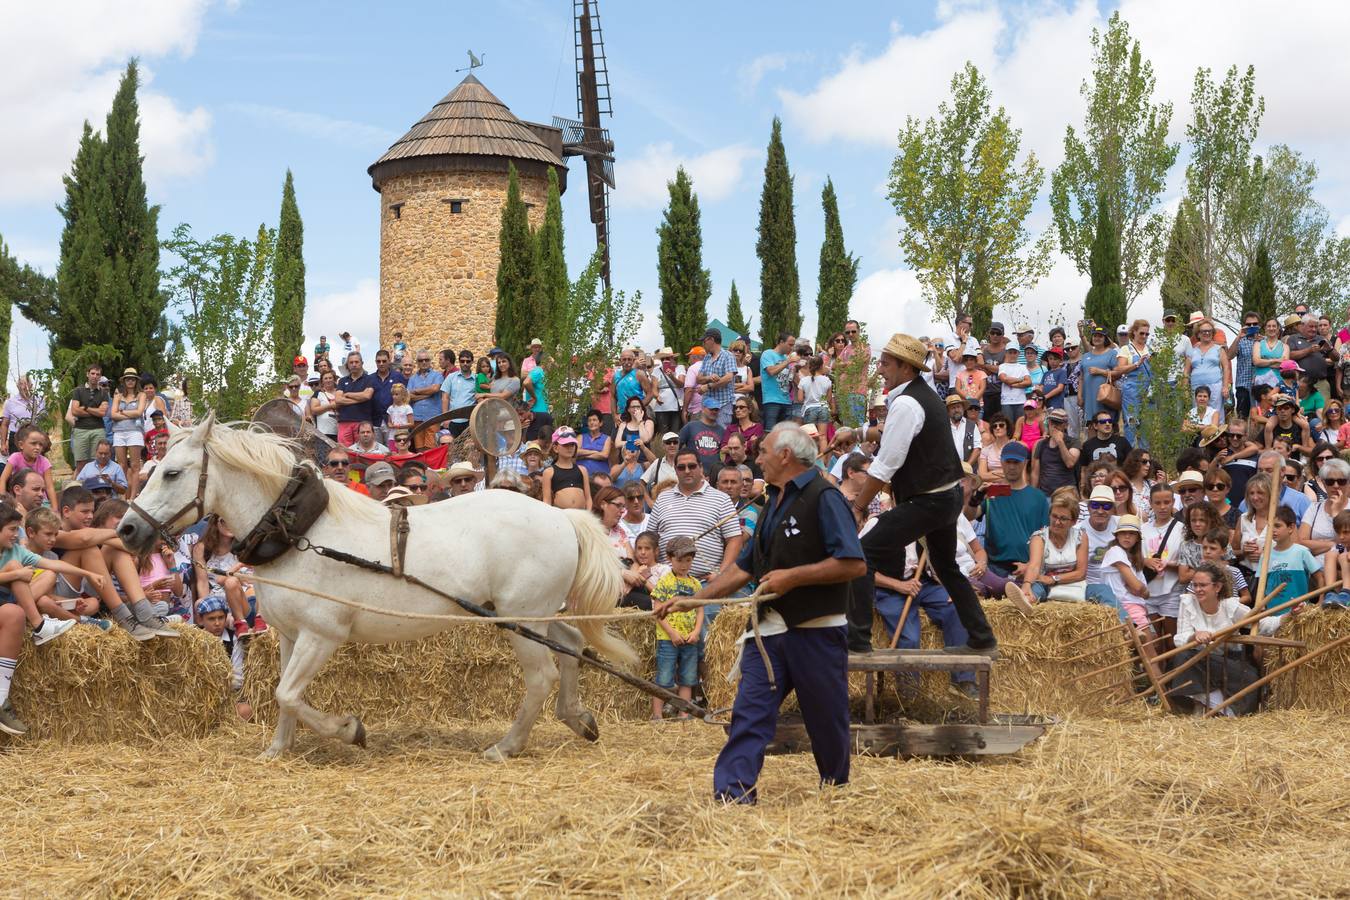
(1211, 433)
(955, 400)
(564, 436)
(399, 492)
(907, 350)
(129, 372)
(1190, 476)
(532, 447)
(535, 342)
(1102, 493)
(1128, 522)
(1291, 320)
(1023, 328)
(811, 429)
(462, 468)
(1195, 318)
(1057, 415)
(1015, 451)
(1285, 400)
(663, 353)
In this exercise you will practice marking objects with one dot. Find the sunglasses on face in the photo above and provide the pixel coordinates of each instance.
(1105, 422)
(1188, 490)
(1216, 487)
(338, 462)
(1324, 458)
(1000, 425)
(1290, 477)
(686, 467)
(1101, 506)
(850, 332)
(1121, 488)
(1334, 482)
(668, 443)
(420, 488)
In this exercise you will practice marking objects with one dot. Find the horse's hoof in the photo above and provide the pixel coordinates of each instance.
(353, 732)
(586, 727)
(495, 754)
(270, 754)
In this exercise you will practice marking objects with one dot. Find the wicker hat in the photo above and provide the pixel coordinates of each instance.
(909, 350)
(1128, 522)
(1190, 476)
(955, 400)
(1211, 433)
(1102, 493)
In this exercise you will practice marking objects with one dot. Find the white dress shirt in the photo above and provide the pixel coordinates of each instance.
(904, 419)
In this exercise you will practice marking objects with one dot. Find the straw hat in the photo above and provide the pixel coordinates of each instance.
(463, 467)
(1128, 523)
(1210, 433)
(1190, 476)
(909, 350)
(1102, 493)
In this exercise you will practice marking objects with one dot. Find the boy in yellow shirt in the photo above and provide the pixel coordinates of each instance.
(679, 636)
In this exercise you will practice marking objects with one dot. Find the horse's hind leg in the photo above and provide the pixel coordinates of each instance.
(308, 655)
(536, 663)
(569, 706)
(284, 734)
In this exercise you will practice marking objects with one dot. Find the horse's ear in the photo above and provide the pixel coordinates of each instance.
(203, 427)
(173, 428)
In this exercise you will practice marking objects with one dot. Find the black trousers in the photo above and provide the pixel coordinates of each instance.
(928, 516)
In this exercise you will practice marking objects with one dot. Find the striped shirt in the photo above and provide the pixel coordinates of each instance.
(721, 364)
(677, 513)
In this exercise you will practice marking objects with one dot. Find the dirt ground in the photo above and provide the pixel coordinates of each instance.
(1167, 807)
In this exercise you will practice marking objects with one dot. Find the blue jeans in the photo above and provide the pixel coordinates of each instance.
(1131, 404)
(933, 600)
(772, 414)
(857, 408)
(677, 665)
(1095, 593)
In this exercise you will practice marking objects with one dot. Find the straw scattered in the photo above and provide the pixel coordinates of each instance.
(1169, 807)
(1323, 683)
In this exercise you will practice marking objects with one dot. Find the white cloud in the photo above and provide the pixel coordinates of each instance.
(60, 64)
(752, 73)
(319, 126)
(355, 309)
(642, 179)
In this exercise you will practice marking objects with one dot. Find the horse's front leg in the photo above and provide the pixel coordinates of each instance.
(284, 734)
(536, 663)
(569, 708)
(308, 655)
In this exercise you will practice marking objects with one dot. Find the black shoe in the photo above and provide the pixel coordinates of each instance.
(991, 651)
(859, 648)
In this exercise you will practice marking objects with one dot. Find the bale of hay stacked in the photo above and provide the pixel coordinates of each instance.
(90, 685)
(1031, 675)
(1323, 683)
(465, 672)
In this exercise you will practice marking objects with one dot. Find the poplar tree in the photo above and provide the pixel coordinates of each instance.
(685, 284)
(838, 271)
(551, 286)
(288, 283)
(1105, 302)
(735, 315)
(515, 272)
(779, 286)
(1258, 288)
(1182, 290)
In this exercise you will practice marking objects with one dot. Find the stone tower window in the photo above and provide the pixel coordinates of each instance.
(396, 209)
(456, 205)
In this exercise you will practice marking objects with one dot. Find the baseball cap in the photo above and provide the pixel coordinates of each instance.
(299, 361)
(1053, 351)
(1015, 451)
(532, 447)
(1288, 366)
(669, 436)
(157, 414)
(379, 473)
(1285, 400)
(96, 484)
(495, 350)
(697, 351)
(996, 327)
(564, 435)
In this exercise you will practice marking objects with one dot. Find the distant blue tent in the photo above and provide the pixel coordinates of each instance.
(728, 335)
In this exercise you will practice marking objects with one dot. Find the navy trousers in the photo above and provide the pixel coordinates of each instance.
(933, 600)
(814, 663)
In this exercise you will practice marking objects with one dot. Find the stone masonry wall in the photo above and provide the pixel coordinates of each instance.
(438, 269)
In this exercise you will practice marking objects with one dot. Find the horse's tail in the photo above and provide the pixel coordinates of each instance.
(597, 586)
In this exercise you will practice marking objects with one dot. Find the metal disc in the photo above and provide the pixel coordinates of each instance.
(495, 427)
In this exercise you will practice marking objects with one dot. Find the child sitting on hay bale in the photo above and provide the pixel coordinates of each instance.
(1337, 565)
(679, 636)
(212, 617)
(17, 564)
(41, 528)
(213, 552)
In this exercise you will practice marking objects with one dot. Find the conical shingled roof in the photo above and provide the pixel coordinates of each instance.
(469, 121)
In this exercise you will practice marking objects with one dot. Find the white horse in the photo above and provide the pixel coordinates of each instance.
(495, 548)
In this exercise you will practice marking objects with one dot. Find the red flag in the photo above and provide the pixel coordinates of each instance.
(434, 458)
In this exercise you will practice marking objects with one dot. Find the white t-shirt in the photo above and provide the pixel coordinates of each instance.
(1097, 543)
(814, 388)
(954, 366)
(633, 529)
(399, 416)
(1165, 583)
(1009, 395)
(965, 533)
(1112, 578)
(1322, 530)
(666, 386)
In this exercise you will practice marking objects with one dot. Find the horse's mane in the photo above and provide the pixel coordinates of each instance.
(269, 458)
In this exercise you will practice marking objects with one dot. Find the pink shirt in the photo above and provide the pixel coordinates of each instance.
(41, 465)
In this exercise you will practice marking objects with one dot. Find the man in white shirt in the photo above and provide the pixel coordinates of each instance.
(965, 431)
(1100, 530)
(958, 345)
(1014, 378)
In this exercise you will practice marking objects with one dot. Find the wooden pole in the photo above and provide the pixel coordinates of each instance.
(1273, 504)
(909, 601)
(1148, 643)
(1149, 669)
(1266, 679)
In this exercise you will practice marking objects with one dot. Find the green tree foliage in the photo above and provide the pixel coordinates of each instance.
(550, 270)
(963, 201)
(288, 283)
(780, 307)
(685, 284)
(1167, 402)
(597, 319)
(736, 320)
(1258, 286)
(24, 287)
(108, 278)
(1182, 288)
(1122, 156)
(515, 273)
(1225, 117)
(838, 271)
(222, 290)
(1105, 302)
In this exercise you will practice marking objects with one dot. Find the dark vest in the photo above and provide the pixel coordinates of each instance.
(796, 541)
(932, 460)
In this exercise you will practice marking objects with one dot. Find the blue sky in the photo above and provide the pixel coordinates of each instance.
(237, 92)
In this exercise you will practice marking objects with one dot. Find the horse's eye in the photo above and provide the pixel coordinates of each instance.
(172, 473)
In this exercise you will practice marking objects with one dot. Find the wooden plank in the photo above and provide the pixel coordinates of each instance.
(910, 739)
(918, 661)
(1261, 640)
(1148, 666)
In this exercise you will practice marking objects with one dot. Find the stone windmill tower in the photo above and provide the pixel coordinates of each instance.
(442, 187)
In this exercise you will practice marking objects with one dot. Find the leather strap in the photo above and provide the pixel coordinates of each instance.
(398, 536)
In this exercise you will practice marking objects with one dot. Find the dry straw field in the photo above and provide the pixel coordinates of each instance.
(143, 787)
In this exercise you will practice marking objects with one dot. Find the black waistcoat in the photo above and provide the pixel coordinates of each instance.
(797, 540)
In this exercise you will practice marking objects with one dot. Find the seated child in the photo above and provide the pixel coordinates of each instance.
(41, 528)
(1292, 565)
(1337, 564)
(213, 618)
(125, 570)
(16, 578)
(160, 581)
(1214, 549)
(213, 552)
(679, 636)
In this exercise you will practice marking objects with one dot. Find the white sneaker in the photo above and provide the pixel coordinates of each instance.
(160, 628)
(1017, 597)
(51, 628)
(174, 620)
(140, 632)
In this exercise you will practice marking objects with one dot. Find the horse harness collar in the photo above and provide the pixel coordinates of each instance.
(302, 501)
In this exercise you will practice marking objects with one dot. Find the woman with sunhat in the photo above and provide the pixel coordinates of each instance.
(917, 457)
(128, 437)
(1098, 366)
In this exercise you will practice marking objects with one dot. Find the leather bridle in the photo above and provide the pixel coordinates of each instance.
(197, 503)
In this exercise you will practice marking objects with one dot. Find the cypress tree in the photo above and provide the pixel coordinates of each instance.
(1258, 286)
(515, 272)
(735, 316)
(550, 272)
(685, 284)
(108, 278)
(779, 287)
(288, 282)
(17, 282)
(1105, 303)
(838, 271)
(1183, 290)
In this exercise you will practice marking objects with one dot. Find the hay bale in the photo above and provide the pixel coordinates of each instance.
(466, 672)
(1322, 684)
(1031, 676)
(91, 685)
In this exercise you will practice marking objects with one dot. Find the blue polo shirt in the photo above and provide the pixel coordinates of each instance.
(365, 410)
(1011, 521)
(384, 392)
(460, 388)
(837, 525)
(427, 407)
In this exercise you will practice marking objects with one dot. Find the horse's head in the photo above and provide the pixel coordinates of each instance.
(176, 491)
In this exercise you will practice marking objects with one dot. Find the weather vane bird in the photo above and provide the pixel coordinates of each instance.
(474, 62)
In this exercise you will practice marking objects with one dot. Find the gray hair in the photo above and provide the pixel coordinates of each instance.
(1334, 468)
(789, 436)
(1310, 319)
(510, 481)
(745, 470)
(1271, 454)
